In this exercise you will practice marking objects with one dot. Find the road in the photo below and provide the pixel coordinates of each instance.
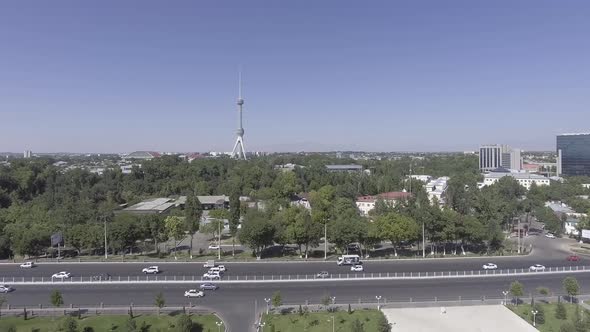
(237, 303)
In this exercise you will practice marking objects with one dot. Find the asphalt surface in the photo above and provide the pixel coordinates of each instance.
(237, 303)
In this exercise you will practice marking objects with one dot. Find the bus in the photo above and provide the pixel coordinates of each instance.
(348, 260)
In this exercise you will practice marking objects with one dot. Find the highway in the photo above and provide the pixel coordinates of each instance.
(236, 302)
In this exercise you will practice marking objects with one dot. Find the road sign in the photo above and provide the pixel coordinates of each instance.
(586, 233)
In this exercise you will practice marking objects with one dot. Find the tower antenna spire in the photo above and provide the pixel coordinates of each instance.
(239, 151)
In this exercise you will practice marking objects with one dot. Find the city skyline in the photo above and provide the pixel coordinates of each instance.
(340, 76)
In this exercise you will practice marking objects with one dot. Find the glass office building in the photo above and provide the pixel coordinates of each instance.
(573, 154)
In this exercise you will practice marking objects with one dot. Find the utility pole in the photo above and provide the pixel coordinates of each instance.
(423, 242)
(325, 239)
(219, 241)
(518, 237)
(106, 254)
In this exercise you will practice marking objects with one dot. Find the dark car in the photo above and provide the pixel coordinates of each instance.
(102, 276)
(573, 258)
(209, 286)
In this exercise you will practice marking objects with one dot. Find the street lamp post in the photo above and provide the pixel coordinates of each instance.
(505, 297)
(333, 298)
(267, 305)
(378, 297)
(219, 326)
(534, 312)
(333, 323)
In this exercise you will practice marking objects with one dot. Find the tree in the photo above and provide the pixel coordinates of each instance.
(184, 323)
(69, 324)
(356, 326)
(517, 290)
(159, 301)
(397, 228)
(302, 230)
(174, 228)
(131, 325)
(543, 291)
(257, 231)
(193, 212)
(277, 299)
(326, 300)
(383, 324)
(234, 218)
(571, 287)
(567, 327)
(56, 299)
(560, 312)
(540, 317)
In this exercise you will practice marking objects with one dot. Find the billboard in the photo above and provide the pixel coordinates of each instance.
(57, 239)
(586, 233)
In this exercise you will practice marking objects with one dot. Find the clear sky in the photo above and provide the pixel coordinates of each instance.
(120, 76)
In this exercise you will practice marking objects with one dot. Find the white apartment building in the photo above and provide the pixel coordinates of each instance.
(524, 179)
(436, 188)
(367, 203)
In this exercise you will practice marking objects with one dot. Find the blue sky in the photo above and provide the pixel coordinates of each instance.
(117, 76)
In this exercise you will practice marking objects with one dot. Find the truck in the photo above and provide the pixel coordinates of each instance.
(348, 260)
(210, 263)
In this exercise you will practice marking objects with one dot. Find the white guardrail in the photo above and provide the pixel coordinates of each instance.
(228, 278)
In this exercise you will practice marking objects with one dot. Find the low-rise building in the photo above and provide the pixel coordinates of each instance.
(423, 178)
(344, 168)
(367, 203)
(152, 206)
(571, 226)
(436, 189)
(524, 179)
(586, 185)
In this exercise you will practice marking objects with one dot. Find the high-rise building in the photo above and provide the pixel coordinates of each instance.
(495, 156)
(573, 154)
(28, 154)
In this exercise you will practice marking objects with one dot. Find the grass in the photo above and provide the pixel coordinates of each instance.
(322, 321)
(106, 323)
(551, 324)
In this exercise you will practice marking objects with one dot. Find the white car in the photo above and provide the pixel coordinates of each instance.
(27, 265)
(211, 275)
(151, 270)
(537, 267)
(357, 268)
(490, 266)
(5, 289)
(61, 275)
(550, 236)
(213, 247)
(194, 293)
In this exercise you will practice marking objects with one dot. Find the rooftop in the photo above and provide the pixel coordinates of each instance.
(344, 167)
(154, 205)
(559, 207)
(516, 176)
(388, 196)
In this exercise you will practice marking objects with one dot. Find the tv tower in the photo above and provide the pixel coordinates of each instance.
(239, 151)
